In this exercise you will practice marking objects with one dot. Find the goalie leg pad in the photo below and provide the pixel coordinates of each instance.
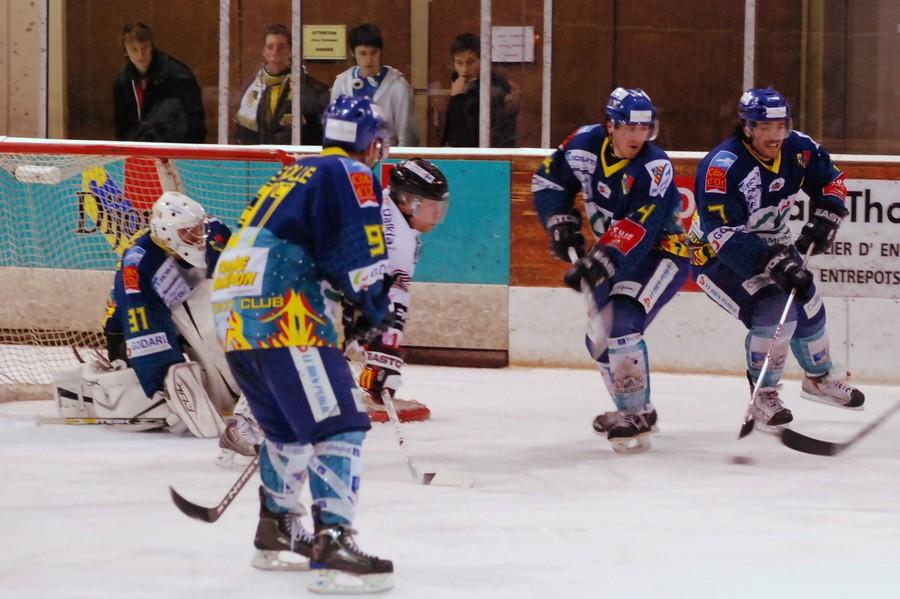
(71, 400)
(334, 476)
(187, 399)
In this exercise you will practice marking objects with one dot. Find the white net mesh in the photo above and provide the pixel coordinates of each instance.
(67, 214)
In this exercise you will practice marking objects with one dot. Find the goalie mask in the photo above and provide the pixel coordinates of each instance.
(420, 190)
(180, 224)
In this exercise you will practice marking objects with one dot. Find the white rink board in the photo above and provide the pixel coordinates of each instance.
(692, 334)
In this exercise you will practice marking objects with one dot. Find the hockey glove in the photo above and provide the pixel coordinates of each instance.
(357, 327)
(382, 373)
(565, 232)
(595, 268)
(785, 268)
(819, 232)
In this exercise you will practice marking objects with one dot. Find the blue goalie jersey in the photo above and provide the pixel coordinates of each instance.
(312, 234)
(744, 201)
(632, 205)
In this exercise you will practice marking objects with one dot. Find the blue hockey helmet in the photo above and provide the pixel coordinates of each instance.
(763, 104)
(353, 122)
(632, 107)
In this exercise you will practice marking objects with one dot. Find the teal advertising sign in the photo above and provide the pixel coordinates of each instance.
(80, 222)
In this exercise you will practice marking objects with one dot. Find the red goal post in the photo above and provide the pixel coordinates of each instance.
(67, 210)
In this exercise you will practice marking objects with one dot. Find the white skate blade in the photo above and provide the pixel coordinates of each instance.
(448, 478)
(278, 560)
(818, 399)
(336, 582)
(629, 445)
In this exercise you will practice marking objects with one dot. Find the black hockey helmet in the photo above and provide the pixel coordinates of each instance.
(420, 190)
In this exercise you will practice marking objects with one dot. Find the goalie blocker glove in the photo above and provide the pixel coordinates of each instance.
(594, 269)
(785, 268)
(565, 233)
(820, 231)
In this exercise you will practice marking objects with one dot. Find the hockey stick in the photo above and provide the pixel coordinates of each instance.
(748, 425)
(75, 420)
(211, 514)
(802, 443)
(444, 478)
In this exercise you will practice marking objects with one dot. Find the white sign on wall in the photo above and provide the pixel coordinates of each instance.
(512, 44)
(865, 258)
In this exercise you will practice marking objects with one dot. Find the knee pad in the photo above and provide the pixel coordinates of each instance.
(757, 344)
(630, 370)
(813, 353)
(334, 472)
(282, 468)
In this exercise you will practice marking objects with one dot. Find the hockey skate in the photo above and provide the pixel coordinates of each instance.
(280, 536)
(768, 410)
(832, 392)
(239, 442)
(631, 432)
(341, 567)
(605, 421)
(408, 410)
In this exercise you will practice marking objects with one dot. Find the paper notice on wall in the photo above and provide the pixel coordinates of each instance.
(512, 44)
(865, 258)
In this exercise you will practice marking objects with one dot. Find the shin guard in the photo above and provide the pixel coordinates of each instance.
(813, 353)
(630, 370)
(758, 341)
(334, 473)
(282, 468)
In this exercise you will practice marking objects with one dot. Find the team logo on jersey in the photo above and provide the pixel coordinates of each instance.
(362, 278)
(777, 184)
(751, 187)
(603, 189)
(625, 235)
(146, 345)
(803, 158)
(582, 160)
(131, 279)
(836, 188)
(660, 176)
(627, 182)
(716, 180)
(364, 189)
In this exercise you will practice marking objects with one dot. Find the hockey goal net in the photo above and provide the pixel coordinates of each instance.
(68, 210)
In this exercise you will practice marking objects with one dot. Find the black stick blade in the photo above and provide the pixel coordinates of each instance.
(804, 444)
(192, 510)
(746, 428)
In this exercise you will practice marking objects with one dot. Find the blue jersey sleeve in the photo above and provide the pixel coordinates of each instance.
(823, 181)
(722, 214)
(146, 322)
(554, 185)
(353, 256)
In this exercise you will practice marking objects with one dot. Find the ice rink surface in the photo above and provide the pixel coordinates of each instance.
(85, 512)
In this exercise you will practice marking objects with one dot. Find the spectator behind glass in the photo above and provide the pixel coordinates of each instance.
(385, 85)
(155, 97)
(265, 116)
(461, 123)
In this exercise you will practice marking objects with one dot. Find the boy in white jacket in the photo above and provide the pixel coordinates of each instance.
(385, 85)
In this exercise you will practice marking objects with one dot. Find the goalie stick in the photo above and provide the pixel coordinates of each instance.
(39, 420)
(211, 514)
(802, 443)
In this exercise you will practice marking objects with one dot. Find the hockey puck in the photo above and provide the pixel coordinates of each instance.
(741, 459)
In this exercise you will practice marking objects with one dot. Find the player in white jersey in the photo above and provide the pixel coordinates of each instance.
(415, 201)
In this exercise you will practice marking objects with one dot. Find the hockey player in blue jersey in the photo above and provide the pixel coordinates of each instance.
(640, 259)
(312, 236)
(745, 258)
(156, 312)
